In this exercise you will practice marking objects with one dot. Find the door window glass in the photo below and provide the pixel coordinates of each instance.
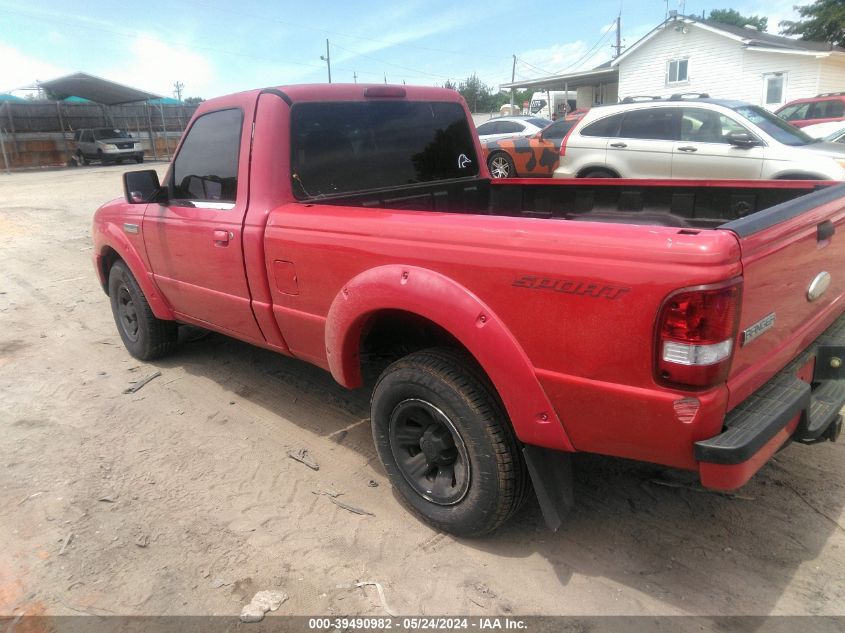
(558, 130)
(206, 167)
(487, 128)
(608, 126)
(650, 123)
(707, 126)
(797, 112)
(510, 127)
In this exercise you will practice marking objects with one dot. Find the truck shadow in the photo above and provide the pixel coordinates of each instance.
(644, 527)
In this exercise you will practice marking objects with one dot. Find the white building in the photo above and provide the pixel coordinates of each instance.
(728, 62)
(685, 54)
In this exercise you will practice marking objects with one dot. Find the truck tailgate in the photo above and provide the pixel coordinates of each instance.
(793, 261)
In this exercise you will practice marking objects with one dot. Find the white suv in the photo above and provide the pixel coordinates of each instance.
(694, 138)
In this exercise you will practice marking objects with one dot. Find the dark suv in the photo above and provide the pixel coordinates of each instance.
(107, 145)
(819, 109)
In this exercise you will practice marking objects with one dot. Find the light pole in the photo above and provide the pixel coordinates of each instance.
(328, 60)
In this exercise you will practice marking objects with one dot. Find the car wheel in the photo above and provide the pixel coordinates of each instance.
(501, 166)
(82, 159)
(144, 335)
(446, 442)
(598, 173)
(139, 159)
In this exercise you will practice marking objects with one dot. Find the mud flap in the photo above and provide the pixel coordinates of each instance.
(551, 474)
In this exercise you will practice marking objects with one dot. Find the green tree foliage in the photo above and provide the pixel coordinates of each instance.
(822, 21)
(731, 16)
(193, 100)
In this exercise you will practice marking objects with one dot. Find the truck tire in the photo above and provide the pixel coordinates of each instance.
(446, 442)
(501, 166)
(144, 335)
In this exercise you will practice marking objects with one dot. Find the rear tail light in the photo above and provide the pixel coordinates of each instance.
(565, 139)
(696, 332)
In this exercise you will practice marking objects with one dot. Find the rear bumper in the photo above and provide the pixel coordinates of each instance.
(783, 408)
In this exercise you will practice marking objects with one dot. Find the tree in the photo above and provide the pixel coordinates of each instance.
(476, 93)
(193, 100)
(731, 16)
(822, 21)
(450, 84)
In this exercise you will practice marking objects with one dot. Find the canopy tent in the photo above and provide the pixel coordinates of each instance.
(95, 89)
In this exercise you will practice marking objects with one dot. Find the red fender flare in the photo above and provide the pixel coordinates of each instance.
(107, 235)
(443, 301)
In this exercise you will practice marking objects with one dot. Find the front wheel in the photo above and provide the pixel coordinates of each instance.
(501, 166)
(446, 442)
(144, 335)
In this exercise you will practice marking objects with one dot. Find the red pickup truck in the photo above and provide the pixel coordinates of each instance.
(510, 323)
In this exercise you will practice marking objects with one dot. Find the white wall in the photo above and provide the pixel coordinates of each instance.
(722, 68)
(832, 75)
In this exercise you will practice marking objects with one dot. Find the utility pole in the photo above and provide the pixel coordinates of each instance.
(328, 60)
(513, 78)
(385, 77)
(355, 76)
(177, 90)
(618, 45)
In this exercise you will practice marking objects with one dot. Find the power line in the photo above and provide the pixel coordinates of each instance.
(586, 55)
(381, 61)
(294, 62)
(264, 18)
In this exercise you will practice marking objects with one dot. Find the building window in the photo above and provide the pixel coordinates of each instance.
(774, 89)
(677, 71)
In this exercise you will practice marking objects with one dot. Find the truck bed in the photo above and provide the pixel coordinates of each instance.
(683, 204)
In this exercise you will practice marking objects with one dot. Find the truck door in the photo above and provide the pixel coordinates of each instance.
(193, 240)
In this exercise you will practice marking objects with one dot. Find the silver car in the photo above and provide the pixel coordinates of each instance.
(107, 145)
(695, 138)
(516, 125)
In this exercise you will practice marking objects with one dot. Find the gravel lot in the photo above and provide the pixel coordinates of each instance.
(180, 498)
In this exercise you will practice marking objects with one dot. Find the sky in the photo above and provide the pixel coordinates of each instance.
(216, 47)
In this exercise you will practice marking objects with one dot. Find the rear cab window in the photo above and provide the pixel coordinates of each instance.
(348, 147)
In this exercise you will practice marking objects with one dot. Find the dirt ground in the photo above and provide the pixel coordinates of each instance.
(180, 498)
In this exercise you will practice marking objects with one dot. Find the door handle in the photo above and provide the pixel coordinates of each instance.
(619, 145)
(221, 237)
(687, 148)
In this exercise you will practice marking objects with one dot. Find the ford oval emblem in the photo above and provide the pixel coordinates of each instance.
(818, 286)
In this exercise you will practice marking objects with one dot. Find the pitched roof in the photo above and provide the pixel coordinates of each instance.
(761, 38)
(749, 38)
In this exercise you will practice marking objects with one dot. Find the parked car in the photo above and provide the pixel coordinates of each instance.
(836, 137)
(576, 114)
(517, 125)
(107, 145)
(694, 138)
(819, 109)
(824, 131)
(511, 323)
(531, 156)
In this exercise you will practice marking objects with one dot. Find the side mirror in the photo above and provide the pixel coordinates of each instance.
(141, 187)
(742, 139)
